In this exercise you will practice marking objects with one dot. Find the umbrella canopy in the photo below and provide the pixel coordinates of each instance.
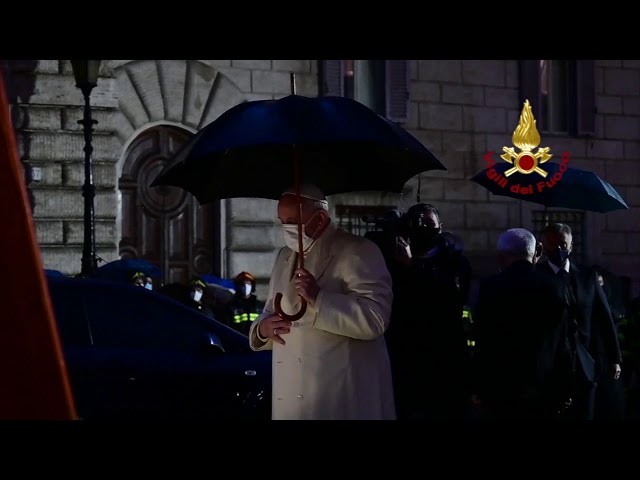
(576, 189)
(341, 146)
(122, 270)
(226, 283)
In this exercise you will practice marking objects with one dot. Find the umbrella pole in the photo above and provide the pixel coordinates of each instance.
(546, 217)
(296, 172)
(545, 222)
(297, 179)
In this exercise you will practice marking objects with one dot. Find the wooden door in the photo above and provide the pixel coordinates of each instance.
(163, 225)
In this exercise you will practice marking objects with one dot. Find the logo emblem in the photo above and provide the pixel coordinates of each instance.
(526, 138)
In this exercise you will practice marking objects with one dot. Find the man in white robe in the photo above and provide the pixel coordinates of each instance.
(332, 364)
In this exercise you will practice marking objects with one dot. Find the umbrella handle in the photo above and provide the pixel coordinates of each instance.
(284, 316)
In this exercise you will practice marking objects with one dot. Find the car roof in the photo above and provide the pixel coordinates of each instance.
(112, 288)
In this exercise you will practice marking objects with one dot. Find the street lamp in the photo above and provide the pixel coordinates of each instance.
(86, 76)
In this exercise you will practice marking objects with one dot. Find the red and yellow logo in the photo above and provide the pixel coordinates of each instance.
(526, 138)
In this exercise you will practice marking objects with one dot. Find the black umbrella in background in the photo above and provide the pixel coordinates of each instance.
(528, 176)
(572, 188)
(562, 187)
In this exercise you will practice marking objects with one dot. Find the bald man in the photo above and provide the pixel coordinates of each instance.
(332, 364)
(523, 356)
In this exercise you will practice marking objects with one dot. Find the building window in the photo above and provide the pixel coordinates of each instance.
(359, 219)
(348, 78)
(561, 94)
(575, 220)
(381, 85)
(554, 85)
(365, 82)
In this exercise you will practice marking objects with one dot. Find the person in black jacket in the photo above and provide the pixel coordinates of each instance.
(597, 338)
(426, 339)
(523, 357)
(609, 401)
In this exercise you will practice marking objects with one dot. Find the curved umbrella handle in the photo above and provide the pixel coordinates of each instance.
(284, 316)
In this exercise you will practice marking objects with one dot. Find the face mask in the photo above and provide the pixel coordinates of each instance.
(149, 286)
(558, 257)
(247, 290)
(425, 237)
(291, 237)
(196, 295)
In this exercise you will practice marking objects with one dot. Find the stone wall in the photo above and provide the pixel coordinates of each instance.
(460, 109)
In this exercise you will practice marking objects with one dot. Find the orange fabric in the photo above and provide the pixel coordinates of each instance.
(33, 377)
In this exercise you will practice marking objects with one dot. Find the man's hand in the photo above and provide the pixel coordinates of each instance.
(273, 326)
(403, 251)
(306, 286)
(616, 370)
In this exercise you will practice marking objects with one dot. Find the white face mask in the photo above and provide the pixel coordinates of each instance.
(149, 286)
(247, 290)
(291, 237)
(196, 295)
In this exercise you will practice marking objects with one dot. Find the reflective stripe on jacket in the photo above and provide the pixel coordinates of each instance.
(245, 317)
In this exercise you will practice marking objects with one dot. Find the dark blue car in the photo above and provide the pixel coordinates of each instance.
(136, 354)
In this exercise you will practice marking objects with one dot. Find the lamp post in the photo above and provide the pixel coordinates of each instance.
(86, 76)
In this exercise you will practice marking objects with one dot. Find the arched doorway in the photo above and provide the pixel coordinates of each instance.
(164, 225)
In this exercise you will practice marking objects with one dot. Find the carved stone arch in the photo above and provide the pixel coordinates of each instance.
(186, 93)
(161, 104)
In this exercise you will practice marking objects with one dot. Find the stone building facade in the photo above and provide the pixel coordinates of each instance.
(460, 109)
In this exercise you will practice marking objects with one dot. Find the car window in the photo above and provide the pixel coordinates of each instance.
(68, 309)
(133, 317)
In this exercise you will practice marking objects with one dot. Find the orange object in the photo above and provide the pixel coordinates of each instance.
(33, 376)
(245, 276)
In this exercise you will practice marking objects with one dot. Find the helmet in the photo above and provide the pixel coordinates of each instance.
(244, 276)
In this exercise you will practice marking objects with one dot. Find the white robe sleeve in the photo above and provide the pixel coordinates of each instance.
(364, 311)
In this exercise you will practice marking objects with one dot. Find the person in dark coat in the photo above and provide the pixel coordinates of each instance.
(610, 397)
(596, 335)
(523, 358)
(426, 338)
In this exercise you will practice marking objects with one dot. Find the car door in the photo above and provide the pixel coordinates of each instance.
(67, 300)
(164, 362)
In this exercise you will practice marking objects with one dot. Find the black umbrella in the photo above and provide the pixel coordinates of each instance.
(259, 149)
(562, 187)
(340, 144)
